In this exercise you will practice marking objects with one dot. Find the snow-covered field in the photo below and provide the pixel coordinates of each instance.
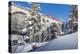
(69, 41)
(25, 48)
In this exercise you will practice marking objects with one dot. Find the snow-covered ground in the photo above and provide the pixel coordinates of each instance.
(69, 41)
(25, 48)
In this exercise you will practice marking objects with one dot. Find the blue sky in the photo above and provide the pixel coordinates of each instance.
(60, 11)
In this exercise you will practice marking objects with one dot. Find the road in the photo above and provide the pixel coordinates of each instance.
(69, 41)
